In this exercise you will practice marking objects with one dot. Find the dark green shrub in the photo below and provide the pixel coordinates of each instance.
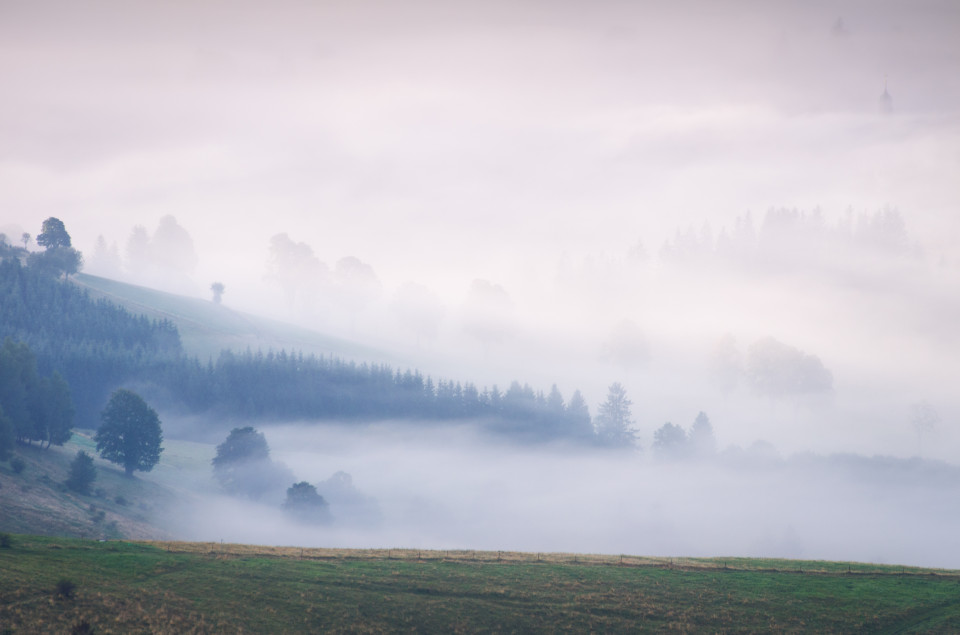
(6, 541)
(82, 473)
(17, 464)
(81, 628)
(65, 588)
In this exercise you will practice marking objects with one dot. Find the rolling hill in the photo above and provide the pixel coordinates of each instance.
(207, 328)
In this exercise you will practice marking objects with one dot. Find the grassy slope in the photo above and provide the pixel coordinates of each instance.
(125, 587)
(207, 328)
(36, 501)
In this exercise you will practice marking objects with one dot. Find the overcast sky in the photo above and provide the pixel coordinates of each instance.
(441, 142)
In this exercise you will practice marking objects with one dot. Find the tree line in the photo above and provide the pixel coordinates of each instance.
(65, 353)
(95, 346)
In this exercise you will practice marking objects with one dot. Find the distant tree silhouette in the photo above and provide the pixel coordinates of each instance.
(614, 420)
(670, 442)
(304, 503)
(775, 370)
(701, 439)
(242, 465)
(579, 423)
(218, 289)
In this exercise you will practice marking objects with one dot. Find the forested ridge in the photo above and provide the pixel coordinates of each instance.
(97, 346)
(93, 344)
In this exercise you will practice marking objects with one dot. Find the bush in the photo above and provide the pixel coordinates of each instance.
(82, 473)
(120, 500)
(81, 628)
(65, 588)
(6, 541)
(17, 464)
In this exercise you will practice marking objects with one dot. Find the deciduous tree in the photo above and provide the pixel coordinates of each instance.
(304, 503)
(53, 234)
(130, 434)
(242, 465)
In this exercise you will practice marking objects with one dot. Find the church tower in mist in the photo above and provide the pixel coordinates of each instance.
(886, 101)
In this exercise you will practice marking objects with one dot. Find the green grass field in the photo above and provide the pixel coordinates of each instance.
(122, 587)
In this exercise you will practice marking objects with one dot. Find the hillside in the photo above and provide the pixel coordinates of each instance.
(35, 500)
(207, 328)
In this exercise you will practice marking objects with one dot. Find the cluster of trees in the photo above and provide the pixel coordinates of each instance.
(33, 407)
(243, 468)
(93, 344)
(308, 283)
(58, 257)
(294, 386)
(97, 346)
(790, 237)
(615, 428)
(129, 435)
(770, 369)
(165, 256)
(673, 442)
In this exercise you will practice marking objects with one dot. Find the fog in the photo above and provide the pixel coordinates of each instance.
(450, 488)
(562, 193)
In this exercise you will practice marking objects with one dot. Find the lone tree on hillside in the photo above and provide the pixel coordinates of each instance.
(53, 234)
(217, 288)
(58, 256)
(614, 421)
(82, 473)
(130, 433)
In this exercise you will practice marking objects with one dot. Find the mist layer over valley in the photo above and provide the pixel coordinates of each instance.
(454, 488)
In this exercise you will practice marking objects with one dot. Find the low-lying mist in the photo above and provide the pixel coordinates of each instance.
(445, 487)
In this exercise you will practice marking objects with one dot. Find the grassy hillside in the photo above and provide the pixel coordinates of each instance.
(119, 587)
(207, 328)
(35, 500)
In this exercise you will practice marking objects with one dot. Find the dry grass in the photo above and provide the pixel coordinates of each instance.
(230, 550)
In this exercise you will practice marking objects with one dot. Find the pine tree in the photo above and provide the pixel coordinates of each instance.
(614, 421)
(82, 473)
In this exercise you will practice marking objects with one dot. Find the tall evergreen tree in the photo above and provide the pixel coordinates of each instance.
(82, 473)
(614, 420)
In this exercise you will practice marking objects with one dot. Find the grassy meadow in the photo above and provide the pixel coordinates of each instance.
(55, 584)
